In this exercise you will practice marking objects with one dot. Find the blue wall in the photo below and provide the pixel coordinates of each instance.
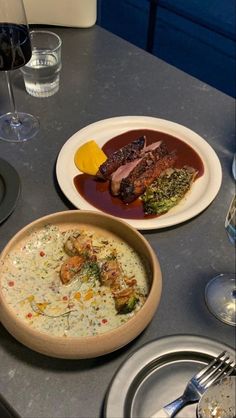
(197, 36)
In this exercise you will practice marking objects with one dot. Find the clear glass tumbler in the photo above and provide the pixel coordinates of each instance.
(42, 73)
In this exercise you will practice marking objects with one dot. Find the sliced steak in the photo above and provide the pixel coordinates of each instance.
(153, 146)
(133, 169)
(134, 185)
(129, 152)
(121, 172)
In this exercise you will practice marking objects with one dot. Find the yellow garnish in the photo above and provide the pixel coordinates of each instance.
(88, 295)
(89, 157)
(77, 295)
(42, 306)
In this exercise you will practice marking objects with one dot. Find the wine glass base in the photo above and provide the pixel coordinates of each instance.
(25, 129)
(220, 297)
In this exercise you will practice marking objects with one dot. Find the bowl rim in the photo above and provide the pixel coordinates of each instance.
(7, 313)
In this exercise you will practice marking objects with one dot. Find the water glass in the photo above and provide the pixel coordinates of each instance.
(42, 73)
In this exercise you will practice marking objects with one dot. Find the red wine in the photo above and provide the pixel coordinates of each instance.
(15, 46)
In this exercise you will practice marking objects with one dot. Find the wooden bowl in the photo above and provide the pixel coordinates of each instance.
(78, 347)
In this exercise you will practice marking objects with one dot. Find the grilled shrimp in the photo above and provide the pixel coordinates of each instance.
(111, 274)
(70, 268)
(79, 244)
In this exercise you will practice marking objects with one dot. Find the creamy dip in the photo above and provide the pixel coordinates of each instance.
(32, 287)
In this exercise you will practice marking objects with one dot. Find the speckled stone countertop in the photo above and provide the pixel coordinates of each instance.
(104, 76)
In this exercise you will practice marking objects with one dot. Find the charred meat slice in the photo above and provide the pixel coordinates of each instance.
(135, 184)
(153, 146)
(122, 156)
(121, 172)
(148, 160)
(133, 169)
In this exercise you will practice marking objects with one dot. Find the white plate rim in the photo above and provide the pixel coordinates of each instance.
(202, 193)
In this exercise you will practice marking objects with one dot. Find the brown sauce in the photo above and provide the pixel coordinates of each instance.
(97, 192)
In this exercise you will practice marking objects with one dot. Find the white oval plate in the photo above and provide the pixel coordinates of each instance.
(202, 192)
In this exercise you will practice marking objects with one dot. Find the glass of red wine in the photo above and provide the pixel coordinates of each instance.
(15, 51)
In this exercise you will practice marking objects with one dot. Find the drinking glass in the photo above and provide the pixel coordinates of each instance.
(42, 73)
(15, 51)
(220, 292)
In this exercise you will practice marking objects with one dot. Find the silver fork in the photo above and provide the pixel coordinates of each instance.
(220, 366)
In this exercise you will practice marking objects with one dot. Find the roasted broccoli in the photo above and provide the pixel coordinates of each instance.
(125, 305)
(167, 190)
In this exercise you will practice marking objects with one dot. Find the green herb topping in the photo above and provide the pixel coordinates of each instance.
(166, 191)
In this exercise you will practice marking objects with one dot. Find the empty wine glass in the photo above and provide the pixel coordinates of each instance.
(220, 292)
(220, 295)
(15, 51)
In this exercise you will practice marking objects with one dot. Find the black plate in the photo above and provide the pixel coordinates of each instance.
(157, 373)
(9, 189)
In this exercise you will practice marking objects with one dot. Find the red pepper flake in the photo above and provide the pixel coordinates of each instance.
(29, 315)
(65, 298)
(70, 305)
(42, 253)
(104, 321)
(11, 283)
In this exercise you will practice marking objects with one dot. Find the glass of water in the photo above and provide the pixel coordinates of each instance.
(42, 73)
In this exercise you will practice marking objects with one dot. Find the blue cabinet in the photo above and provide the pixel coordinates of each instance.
(197, 36)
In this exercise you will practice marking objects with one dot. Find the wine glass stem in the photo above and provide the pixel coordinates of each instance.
(15, 121)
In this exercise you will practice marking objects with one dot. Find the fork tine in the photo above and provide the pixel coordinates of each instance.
(231, 370)
(221, 373)
(214, 369)
(210, 365)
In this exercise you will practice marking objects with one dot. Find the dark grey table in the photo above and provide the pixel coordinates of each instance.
(104, 76)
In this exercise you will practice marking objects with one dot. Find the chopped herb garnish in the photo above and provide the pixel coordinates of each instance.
(90, 271)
